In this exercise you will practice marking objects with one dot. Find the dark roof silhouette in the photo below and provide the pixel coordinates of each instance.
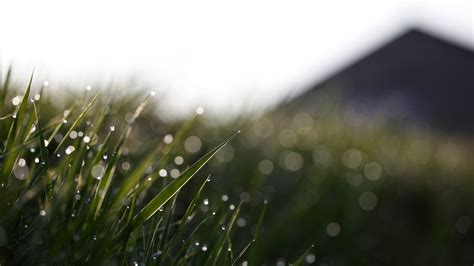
(432, 76)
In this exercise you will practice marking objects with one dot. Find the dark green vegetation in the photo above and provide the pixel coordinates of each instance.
(75, 188)
(93, 179)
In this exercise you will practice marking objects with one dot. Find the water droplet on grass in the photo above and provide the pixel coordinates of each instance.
(16, 100)
(97, 171)
(70, 149)
(21, 162)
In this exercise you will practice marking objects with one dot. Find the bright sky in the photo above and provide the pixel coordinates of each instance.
(223, 55)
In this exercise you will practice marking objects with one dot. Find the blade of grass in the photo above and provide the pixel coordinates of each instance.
(221, 242)
(12, 141)
(168, 192)
(4, 91)
(243, 251)
(77, 121)
(258, 230)
(300, 260)
(184, 219)
(43, 151)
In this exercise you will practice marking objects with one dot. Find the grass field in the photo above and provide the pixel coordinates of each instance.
(96, 177)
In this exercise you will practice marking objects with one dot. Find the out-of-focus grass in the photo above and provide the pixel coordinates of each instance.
(365, 189)
(361, 189)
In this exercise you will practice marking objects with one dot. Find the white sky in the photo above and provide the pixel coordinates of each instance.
(224, 55)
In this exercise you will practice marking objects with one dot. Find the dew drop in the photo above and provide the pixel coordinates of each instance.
(163, 173)
(21, 162)
(16, 100)
(70, 149)
(168, 139)
(97, 171)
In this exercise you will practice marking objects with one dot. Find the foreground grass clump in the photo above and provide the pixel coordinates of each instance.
(76, 186)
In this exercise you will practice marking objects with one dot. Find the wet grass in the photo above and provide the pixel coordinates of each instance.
(95, 176)
(77, 188)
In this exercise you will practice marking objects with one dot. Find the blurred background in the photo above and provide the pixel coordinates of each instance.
(356, 117)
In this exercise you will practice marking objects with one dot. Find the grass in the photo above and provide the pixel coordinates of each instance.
(69, 194)
(91, 178)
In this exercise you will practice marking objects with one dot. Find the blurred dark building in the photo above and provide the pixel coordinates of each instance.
(423, 77)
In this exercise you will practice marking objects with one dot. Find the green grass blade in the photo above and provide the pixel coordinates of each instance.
(15, 131)
(243, 251)
(300, 260)
(258, 230)
(4, 90)
(19, 118)
(221, 242)
(43, 150)
(168, 192)
(77, 121)
(179, 231)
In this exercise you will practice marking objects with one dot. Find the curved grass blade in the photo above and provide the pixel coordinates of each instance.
(168, 192)
(15, 131)
(76, 122)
